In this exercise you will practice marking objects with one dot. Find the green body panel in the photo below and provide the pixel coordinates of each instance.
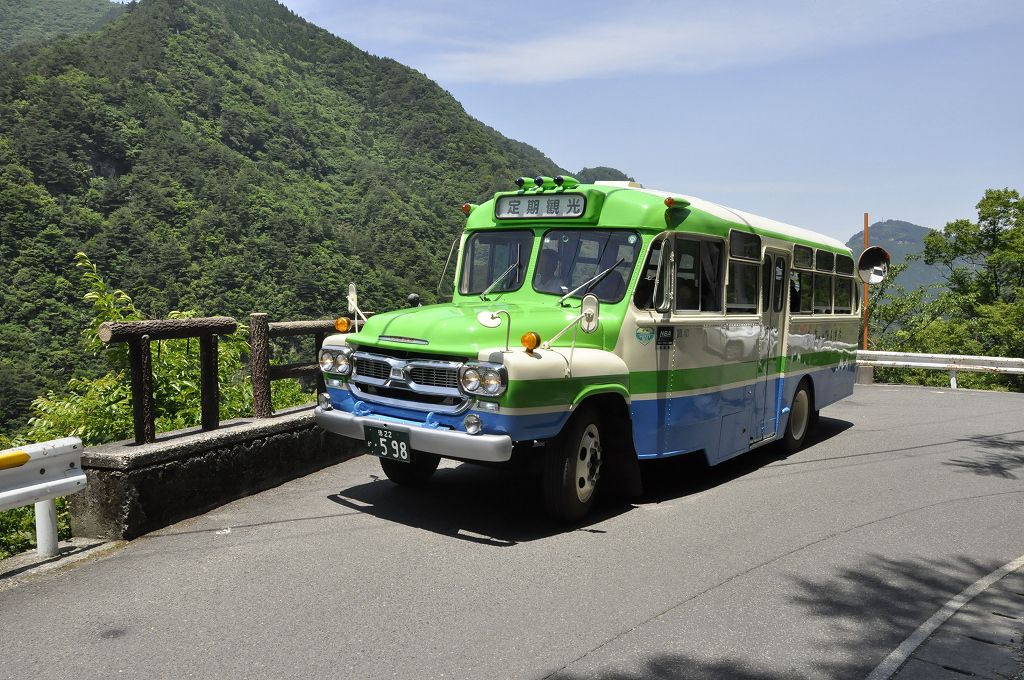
(453, 329)
(560, 391)
(628, 209)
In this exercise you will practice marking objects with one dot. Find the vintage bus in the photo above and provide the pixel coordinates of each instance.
(593, 326)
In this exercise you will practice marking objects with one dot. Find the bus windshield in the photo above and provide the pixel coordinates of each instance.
(489, 255)
(569, 258)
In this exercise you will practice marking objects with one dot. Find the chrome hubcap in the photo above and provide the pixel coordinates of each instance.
(588, 463)
(799, 414)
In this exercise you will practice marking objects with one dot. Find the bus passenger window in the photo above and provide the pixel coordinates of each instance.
(794, 293)
(687, 275)
(822, 294)
(806, 296)
(844, 296)
(741, 293)
(766, 284)
(710, 276)
(780, 276)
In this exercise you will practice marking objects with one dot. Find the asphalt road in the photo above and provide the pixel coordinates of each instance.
(814, 565)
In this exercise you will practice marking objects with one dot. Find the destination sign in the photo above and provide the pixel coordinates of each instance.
(533, 207)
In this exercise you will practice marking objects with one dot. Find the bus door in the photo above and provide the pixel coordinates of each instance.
(767, 389)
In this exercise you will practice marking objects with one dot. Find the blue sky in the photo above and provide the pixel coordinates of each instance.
(807, 112)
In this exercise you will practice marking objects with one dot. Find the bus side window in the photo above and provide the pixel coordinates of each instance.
(844, 296)
(822, 294)
(741, 293)
(806, 293)
(642, 297)
(794, 293)
(698, 275)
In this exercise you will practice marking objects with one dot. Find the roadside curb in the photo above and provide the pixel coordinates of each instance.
(19, 569)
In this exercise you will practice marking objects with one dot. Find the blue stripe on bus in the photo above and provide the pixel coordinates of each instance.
(661, 427)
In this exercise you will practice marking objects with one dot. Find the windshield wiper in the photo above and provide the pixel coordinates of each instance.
(513, 267)
(592, 281)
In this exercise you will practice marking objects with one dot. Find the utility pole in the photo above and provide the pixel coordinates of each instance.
(865, 296)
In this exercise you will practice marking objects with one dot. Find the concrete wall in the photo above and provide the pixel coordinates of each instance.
(134, 488)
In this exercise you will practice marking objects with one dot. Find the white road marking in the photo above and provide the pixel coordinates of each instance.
(892, 663)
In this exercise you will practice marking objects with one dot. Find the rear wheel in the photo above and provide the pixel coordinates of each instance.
(801, 418)
(572, 467)
(414, 473)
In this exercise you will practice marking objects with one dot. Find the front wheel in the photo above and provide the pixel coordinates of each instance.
(414, 473)
(572, 467)
(801, 418)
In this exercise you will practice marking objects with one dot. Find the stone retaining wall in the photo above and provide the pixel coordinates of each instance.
(134, 489)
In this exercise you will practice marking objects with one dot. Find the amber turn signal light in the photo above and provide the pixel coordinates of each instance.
(531, 341)
(342, 325)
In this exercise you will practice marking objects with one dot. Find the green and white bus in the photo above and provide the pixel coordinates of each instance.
(593, 326)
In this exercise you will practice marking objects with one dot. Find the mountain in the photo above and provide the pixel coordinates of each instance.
(591, 175)
(24, 21)
(900, 239)
(224, 156)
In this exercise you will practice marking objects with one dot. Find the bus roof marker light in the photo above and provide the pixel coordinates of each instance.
(567, 182)
(468, 208)
(524, 183)
(676, 202)
(543, 182)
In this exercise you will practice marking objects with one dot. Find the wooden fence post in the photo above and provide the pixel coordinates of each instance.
(209, 391)
(259, 362)
(141, 359)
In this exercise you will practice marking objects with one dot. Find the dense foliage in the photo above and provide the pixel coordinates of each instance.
(979, 309)
(223, 156)
(27, 21)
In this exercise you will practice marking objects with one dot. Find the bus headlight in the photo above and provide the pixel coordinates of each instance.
(337, 361)
(483, 379)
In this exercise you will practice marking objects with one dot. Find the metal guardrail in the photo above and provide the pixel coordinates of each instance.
(952, 363)
(39, 473)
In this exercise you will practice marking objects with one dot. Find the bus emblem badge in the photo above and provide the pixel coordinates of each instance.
(644, 335)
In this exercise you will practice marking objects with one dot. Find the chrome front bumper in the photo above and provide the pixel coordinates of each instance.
(491, 448)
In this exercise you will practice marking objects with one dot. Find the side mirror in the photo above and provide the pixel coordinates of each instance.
(873, 265)
(353, 302)
(590, 309)
(414, 300)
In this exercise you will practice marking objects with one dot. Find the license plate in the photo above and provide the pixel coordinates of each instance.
(385, 442)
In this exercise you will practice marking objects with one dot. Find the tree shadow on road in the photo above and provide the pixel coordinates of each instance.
(865, 611)
(682, 667)
(1002, 455)
(870, 607)
(504, 506)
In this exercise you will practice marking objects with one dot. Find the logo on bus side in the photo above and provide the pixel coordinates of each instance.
(644, 335)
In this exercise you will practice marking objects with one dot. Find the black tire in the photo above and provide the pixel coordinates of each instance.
(801, 418)
(414, 473)
(572, 467)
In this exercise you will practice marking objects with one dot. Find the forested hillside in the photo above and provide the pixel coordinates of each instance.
(223, 156)
(23, 21)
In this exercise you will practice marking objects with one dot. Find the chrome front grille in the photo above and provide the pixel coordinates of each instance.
(435, 376)
(419, 383)
(372, 367)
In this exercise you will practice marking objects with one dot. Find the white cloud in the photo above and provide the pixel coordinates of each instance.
(672, 38)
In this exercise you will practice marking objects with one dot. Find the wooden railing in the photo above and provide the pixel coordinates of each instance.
(260, 333)
(138, 335)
